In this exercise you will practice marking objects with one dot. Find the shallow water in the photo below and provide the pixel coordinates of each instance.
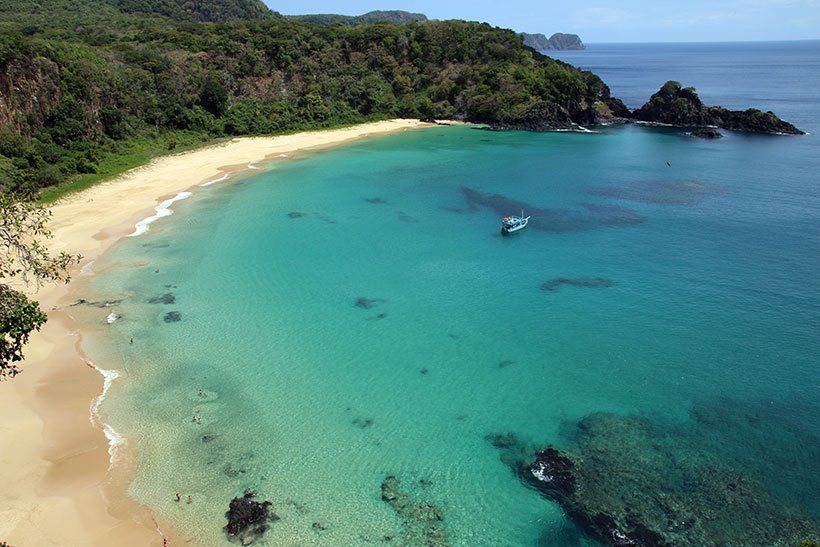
(355, 314)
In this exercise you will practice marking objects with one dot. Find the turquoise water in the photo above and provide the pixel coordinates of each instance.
(355, 314)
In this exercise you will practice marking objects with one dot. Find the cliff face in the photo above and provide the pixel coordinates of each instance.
(29, 91)
(557, 41)
(681, 107)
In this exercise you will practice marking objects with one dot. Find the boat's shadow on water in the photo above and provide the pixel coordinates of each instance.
(590, 216)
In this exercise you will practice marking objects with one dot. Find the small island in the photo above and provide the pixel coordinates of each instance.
(556, 42)
(681, 107)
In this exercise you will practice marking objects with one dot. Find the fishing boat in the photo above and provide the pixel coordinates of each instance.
(512, 224)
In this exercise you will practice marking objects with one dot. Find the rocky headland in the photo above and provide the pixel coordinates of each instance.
(558, 41)
(681, 107)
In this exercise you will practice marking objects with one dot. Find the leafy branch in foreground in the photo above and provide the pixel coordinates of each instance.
(23, 255)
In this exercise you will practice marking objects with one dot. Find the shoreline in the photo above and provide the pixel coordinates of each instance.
(59, 486)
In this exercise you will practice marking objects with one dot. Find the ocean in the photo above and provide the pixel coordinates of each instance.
(312, 328)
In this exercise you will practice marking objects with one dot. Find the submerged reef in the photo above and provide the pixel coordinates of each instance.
(592, 216)
(661, 192)
(172, 317)
(553, 285)
(247, 518)
(422, 520)
(368, 303)
(630, 480)
(166, 298)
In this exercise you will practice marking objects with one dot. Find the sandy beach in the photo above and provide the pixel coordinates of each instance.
(57, 488)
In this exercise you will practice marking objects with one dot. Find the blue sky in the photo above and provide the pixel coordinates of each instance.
(601, 21)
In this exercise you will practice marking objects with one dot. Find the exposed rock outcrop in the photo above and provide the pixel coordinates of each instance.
(28, 89)
(706, 133)
(681, 107)
(558, 41)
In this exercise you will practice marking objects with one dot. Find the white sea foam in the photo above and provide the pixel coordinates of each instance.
(115, 440)
(252, 165)
(282, 156)
(86, 269)
(210, 182)
(162, 210)
(111, 317)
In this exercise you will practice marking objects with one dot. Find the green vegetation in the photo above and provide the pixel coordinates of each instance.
(379, 16)
(24, 257)
(681, 107)
(90, 88)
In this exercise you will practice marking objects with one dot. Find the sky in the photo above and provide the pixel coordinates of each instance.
(602, 21)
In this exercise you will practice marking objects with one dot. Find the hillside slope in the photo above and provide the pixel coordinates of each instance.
(74, 95)
(379, 16)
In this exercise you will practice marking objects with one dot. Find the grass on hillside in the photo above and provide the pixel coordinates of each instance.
(137, 152)
(130, 154)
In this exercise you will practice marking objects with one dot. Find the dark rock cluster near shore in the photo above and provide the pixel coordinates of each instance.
(629, 480)
(681, 107)
(248, 519)
(672, 105)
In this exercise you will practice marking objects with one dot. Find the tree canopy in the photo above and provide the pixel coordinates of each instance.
(83, 81)
(23, 255)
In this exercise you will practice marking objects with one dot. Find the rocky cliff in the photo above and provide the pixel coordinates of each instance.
(557, 41)
(681, 107)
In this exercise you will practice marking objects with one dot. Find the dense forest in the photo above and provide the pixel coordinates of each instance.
(90, 87)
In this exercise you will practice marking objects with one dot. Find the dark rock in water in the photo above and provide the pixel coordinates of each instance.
(172, 317)
(319, 527)
(553, 285)
(166, 298)
(505, 363)
(296, 214)
(208, 438)
(631, 481)
(706, 133)
(363, 423)
(552, 471)
(248, 519)
(100, 304)
(368, 303)
(681, 107)
(421, 519)
(424, 371)
(375, 200)
(378, 317)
